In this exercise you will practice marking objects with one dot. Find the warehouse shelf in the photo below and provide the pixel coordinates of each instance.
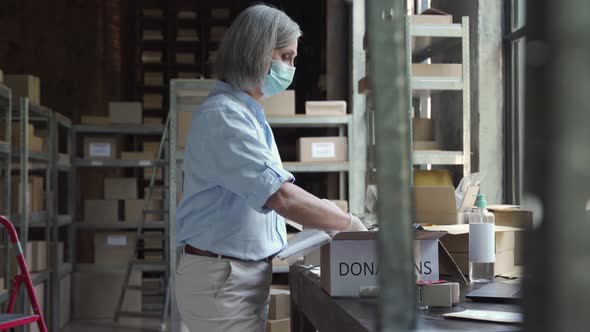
(4, 295)
(65, 268)
(296, 166)
(302, 121)
(436, 83)
(4, 147)
(438, 157)
(4, 91)
(35, 156)
(121, 225)
(64, 220)
(39, 110)
(36, 219)
(64, 162)
(115, 163)
(62, 120)
(436, 30)
(128, 129)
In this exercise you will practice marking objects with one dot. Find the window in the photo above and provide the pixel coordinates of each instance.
(514, 59)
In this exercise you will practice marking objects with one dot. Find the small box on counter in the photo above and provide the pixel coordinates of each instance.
(325, 108)
(134, 209)
(101, 211)
(512, 215)
(152, 101)
(322, 149)
(100, 148)
(125, 112)
(27, 86)
(440, 295)
(94, 120)
(120, 188)
(281, 104)
(113, 248)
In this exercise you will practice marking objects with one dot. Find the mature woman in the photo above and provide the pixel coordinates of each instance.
(230, 222)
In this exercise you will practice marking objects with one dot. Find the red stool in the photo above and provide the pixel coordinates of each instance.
(9, 319)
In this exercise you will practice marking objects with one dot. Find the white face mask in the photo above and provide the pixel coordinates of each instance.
(278, 79)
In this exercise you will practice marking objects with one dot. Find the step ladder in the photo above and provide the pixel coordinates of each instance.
(148, 266)
(10, 320)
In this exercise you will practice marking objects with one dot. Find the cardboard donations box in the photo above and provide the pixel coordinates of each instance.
(437, 205)
(512, 215)
(350, 263)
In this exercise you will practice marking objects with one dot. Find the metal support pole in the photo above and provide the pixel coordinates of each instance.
(557, 159)
(386, 31)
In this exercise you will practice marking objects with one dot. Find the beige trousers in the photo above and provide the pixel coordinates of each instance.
(223, 295)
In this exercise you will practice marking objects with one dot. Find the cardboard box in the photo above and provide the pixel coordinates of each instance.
(134, 209)
(220, 13)
(281, 104)
(152, 101)
(187, 15)
(425, 146)
(512, 215)
(92, 302)
(185, 58)
(152, 121)
(65, 300)
(437, 205)
(125, 112)
(187, 35)
(94, 120)
(153, 78)
(157, 192)
(505, 262)
(152, 13)
(152, 35)
(151, 57)
(440, 295)
(325, 108)
(132, 155)
(100, 148)
(34, 193)
(457, 239)
(423, 129)
(113, 248)
(350, 262)
(216, 33)
(437, 70)
(120, 188)
(37, 196)
(280, 304)
(432, 16)
(151, 147)
(280, 325)
(183, 125)
(35, 143)
(147, 173)
(100, 211)
(28, 86)
(60, 253)
(322, 149)
(38, 255)
(433, 178)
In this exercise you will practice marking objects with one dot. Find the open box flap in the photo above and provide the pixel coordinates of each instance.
(464, 229)
(446, 259)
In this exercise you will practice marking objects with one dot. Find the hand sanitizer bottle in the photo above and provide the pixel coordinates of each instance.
(481, 243)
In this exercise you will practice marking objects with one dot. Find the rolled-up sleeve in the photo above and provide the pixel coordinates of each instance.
(239, 160)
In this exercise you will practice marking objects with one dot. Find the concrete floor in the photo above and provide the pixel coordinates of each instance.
(135, 325)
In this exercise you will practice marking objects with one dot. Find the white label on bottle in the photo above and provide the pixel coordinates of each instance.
(117, 240)
(481, 243)
(99, 150)
(323, 150)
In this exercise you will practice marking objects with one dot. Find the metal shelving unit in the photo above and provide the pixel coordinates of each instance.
(6, 164)
(424, 41)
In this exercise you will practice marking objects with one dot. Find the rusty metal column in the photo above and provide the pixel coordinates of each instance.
(557, 165)
(389, 82)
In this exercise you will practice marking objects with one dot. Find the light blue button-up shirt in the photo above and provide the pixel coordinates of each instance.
(231, 168)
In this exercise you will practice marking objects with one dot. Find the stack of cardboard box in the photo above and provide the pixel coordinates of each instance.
(27, 86)
(279, 310)
(34, 192)
(35, 143)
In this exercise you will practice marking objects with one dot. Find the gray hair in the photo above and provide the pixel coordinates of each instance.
(244, 56)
